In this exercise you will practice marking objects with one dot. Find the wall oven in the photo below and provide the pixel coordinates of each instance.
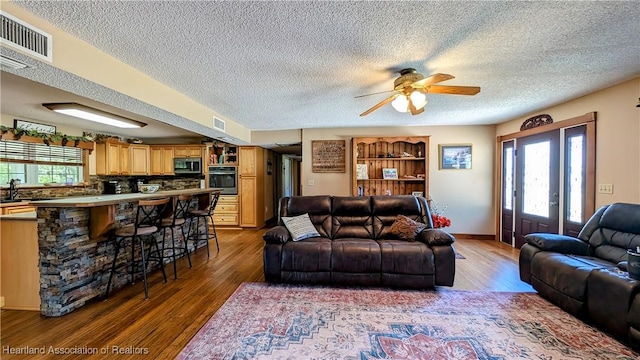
(225, 178)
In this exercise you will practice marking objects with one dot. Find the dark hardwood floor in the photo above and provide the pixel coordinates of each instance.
(164, 324)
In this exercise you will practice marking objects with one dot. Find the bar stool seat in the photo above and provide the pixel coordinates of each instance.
(147, 222)
(205, 213)
(176, 219)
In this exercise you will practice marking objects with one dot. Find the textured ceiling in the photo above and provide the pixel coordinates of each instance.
(271, 65)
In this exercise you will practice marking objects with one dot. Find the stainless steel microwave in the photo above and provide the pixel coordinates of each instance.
(187, 165)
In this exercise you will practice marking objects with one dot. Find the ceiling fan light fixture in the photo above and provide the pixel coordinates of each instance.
(401, 103)
(95, 115)
(418, 99)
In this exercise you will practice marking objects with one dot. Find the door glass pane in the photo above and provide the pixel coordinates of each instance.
(535, 197)
(508, 178)
(576, 170)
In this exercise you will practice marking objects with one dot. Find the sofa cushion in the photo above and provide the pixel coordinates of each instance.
(313, 254)
(318, 208)
(405, 228)
(352, 255)
(300, 227)
(352, 218)
(566, 273)
(436, 237)
(387, 208)
(401, 257)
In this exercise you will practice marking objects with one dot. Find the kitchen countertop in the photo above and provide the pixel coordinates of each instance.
(108, 199)
(25, 216)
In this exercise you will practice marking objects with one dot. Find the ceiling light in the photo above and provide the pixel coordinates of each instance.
(400, 103)
(91, 114)
(418, 99)
(12, 64)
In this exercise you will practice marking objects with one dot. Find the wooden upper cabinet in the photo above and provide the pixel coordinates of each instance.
(139, 159)
(113, 158)
(250, 159)
(188, 151)
(161, 160)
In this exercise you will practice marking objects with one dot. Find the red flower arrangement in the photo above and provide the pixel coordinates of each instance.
(440, 221)
(437, 217)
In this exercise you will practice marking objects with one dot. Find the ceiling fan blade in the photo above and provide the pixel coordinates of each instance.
(378, 93)
(452, 90)
(433, 79)
(380, 104)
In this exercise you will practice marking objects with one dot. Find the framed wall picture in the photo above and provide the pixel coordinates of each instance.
(30, 125)
(389, 173)
(454, 157)
(328, 156)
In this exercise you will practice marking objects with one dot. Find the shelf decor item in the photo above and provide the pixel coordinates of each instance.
(389, 173)
(362, 172)
(455, 157)
(417, 193)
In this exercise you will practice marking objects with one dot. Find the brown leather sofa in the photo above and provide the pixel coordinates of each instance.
(586, 276)
(356, 245)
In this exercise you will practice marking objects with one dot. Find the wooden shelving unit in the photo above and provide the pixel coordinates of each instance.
(407, 155)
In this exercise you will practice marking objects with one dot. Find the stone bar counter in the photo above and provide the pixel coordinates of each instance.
(75, 253)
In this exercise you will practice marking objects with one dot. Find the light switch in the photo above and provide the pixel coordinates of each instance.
(311, 182)
(605, 188)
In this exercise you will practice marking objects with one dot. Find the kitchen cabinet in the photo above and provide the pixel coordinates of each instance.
(19, 264)
(113, 158)
(188, 151)
(226, 212)
(251, 175)
(139, 159)
(17, 209)
(116, 158)
(161, 160)
(407, 157)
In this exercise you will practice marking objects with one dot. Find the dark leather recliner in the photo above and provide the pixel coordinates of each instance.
(356, 246)
(586, 276)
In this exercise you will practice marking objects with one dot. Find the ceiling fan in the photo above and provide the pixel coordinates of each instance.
(410, 89)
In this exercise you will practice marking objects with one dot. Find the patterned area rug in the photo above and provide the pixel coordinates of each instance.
(262, 321)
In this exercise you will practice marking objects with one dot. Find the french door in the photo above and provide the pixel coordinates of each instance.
(543, 184)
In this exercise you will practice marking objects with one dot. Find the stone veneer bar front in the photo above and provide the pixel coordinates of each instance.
(75, 258)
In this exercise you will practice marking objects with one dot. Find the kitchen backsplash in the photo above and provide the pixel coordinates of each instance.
(96, 186)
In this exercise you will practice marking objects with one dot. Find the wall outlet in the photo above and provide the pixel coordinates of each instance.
(1, 301)
(311, 182)
(605, 188)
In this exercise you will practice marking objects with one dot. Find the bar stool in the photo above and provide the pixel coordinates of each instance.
(147, 223)
(205, 214)
(177, 219)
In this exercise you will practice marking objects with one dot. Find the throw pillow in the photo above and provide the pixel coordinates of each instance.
(406, 228)
(436, 237)
(300, 227)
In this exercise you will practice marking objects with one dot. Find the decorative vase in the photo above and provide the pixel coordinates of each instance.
(633, 264)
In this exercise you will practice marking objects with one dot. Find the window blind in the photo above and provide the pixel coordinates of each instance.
(32, 153)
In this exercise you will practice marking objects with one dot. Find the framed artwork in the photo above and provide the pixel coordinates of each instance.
(328, 156)
(362, 172)
(30, 125)
(454, 157)
(417, 193)
(389, 173)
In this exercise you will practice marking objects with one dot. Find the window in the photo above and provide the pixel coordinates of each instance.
(36, 164)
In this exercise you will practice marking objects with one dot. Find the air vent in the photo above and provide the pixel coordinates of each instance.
(25, 37)
(219, 124)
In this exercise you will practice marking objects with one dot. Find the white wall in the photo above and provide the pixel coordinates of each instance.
(468, 194)
(617, 137)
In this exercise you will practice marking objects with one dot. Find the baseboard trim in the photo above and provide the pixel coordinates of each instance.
(474, 237)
